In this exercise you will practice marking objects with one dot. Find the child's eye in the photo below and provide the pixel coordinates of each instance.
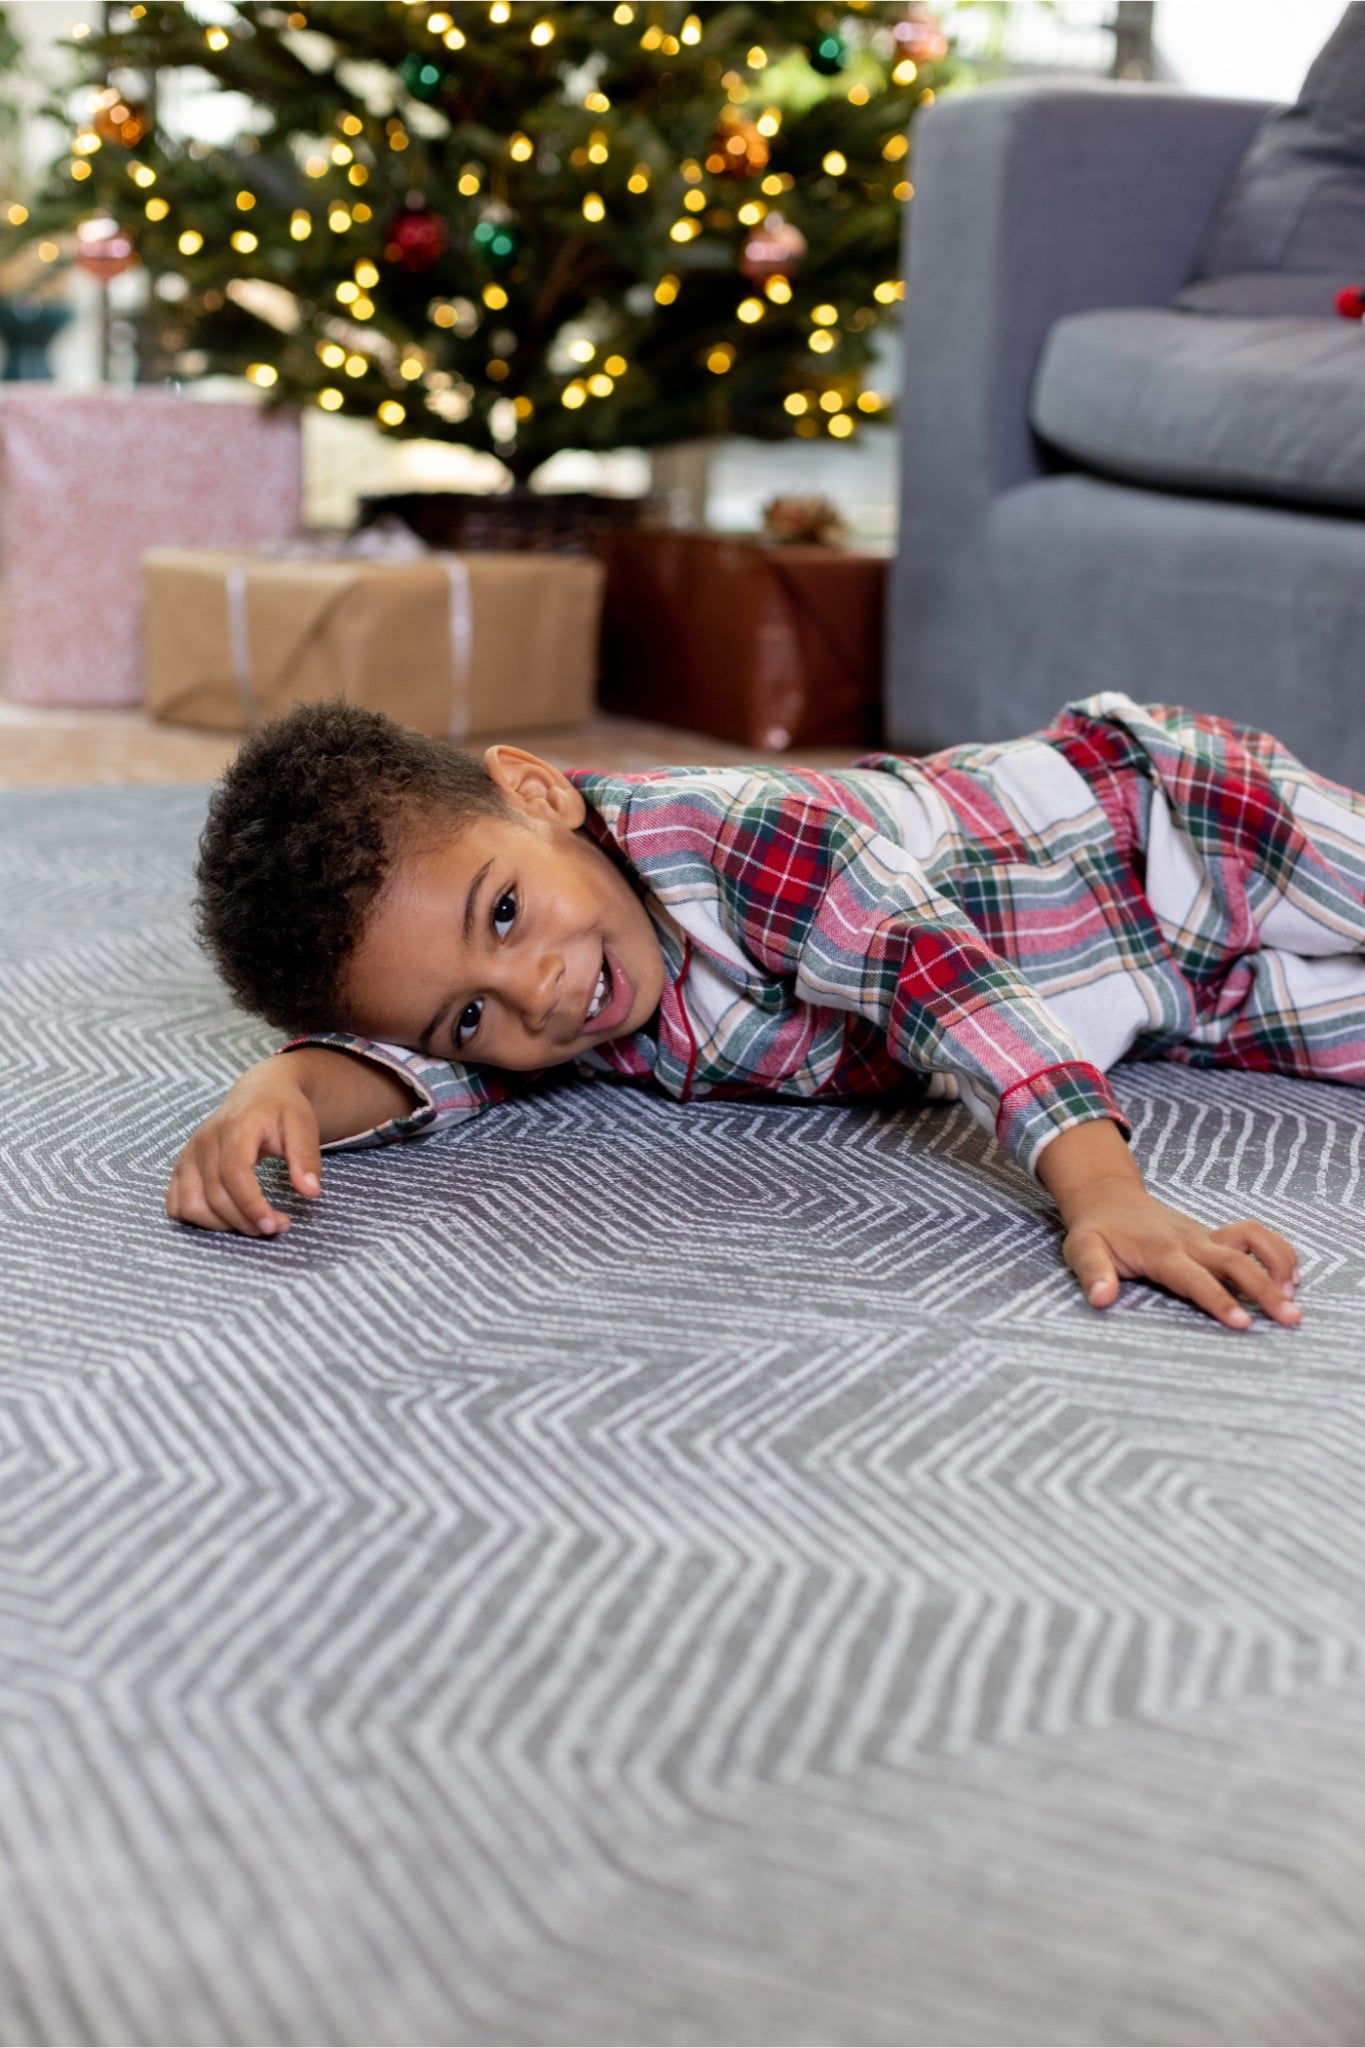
(504, 913)
(467, 1023)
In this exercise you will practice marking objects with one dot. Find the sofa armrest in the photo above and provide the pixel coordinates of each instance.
(1031, 202)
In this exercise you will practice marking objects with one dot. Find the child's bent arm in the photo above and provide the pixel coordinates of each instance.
(349, 1095)
(1116, 1230)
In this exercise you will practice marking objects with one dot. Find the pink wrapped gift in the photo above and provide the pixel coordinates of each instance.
(88, 479)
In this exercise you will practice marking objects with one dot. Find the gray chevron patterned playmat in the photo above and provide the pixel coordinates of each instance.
(641, 1574)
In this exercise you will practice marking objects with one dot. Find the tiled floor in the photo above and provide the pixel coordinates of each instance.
(66, 748)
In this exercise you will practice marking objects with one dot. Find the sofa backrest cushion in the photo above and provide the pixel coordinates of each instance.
(1297, 200)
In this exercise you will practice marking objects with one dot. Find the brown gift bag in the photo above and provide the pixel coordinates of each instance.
(448, 644)
(769, 646)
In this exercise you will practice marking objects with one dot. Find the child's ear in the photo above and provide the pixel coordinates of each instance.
(535, 787)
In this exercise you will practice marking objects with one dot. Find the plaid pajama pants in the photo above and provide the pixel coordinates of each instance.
(1254, 870)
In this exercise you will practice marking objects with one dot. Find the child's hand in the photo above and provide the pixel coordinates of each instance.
(214, 1182)
(1116, 1231)
(1126, 1234)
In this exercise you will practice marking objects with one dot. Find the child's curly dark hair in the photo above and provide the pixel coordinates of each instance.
(300, 835)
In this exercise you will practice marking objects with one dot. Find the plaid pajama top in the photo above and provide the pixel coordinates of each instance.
(996, 924)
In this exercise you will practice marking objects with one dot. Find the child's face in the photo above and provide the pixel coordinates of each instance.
(515, 943)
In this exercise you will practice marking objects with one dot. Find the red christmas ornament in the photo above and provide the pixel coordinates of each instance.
(415, 239)
(774, 247)
(1351, 302)
(919, 35)
(103, 248)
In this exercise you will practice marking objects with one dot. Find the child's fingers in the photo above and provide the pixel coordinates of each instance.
(1249, 1277)
(186, 1201)
(1275, 1253)
(1184, 1275)
(234, 1192)
(1088, 1256)
(302, 1150)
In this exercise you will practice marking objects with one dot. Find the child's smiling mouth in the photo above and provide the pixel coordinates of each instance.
(612, 996)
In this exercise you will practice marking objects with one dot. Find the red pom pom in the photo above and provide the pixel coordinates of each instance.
(1351, 302)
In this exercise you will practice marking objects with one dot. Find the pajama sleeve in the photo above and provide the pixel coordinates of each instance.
(813, 892)
(446, 1093)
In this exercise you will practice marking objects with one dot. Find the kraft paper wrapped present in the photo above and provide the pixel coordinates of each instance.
(449, 644)
(88, 479)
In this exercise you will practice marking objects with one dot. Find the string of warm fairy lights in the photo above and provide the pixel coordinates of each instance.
(740, 148)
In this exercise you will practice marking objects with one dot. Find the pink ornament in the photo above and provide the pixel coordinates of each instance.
(774, 249)
(920, 36)
(103, 248)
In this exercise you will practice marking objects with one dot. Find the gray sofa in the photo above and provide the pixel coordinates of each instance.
(1189, 525)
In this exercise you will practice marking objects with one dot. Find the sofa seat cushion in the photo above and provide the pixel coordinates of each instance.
(1251, 408)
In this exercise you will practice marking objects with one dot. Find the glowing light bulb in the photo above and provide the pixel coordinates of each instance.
(244, 242)
(615, 366)
(666, 290)
(841, 426)
(157, 209)
(593, 209)
(494, 296)
(750, 310)
(366, 275)
(356, 366)
(333, 354)
(264, 374)
(330, 399)
(691, 29)
(245, 201)
(835, 162)
(191, 242)
(521, 148)
(796, 402)
(778, 290)
(543, 32)
(300, 225)
(573, 395)
(391, 413)
(216, 38)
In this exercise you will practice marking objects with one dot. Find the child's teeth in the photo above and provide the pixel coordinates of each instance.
(599, 995)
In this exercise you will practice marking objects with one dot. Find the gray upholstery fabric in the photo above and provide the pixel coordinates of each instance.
(1270, 294)
(1269, 408)
(1013, 589)
(1252, 611)
(635, 1573)
(1297, 201)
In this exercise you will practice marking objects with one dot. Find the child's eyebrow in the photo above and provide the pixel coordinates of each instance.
(470, 901)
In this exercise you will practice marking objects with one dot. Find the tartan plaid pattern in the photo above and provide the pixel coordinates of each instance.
(810, 953)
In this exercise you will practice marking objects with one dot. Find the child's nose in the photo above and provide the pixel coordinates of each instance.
(541, 990)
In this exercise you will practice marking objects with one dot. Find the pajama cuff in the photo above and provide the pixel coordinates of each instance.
(397, 1127)
(1036, 1110)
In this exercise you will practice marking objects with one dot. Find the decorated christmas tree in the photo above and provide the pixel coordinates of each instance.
(517, 226)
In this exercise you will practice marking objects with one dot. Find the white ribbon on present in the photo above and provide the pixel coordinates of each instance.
(239, 643)
(461, 624)
(461, 644)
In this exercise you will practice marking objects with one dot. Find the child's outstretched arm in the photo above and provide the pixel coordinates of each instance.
(1116, 1231)
(287, 1106)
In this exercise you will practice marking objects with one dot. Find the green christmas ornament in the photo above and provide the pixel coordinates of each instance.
(497, 239)
(827, 54)
(422, 78)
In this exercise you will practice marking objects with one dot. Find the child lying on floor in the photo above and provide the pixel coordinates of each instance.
(996, 925)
